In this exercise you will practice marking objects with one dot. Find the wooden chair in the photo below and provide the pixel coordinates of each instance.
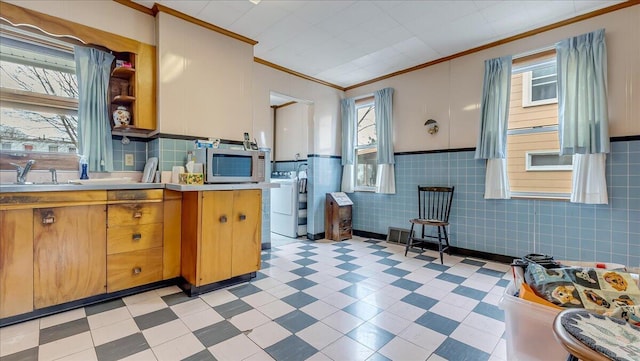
(434, 206)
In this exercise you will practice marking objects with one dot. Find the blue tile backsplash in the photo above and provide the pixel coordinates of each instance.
(515, 227)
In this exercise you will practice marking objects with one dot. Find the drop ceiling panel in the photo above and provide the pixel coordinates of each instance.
(348, 42)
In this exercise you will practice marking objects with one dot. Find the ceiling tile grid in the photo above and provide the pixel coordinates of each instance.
(349, 42)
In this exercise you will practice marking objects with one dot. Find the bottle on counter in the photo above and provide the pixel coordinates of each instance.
(84, 168)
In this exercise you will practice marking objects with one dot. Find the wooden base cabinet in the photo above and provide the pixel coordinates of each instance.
(16, 262)
(69, 252)
(221, 233)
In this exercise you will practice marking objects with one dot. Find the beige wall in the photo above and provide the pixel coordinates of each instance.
(204, 81)
(324, 129)
(450, 92)
(291, 127)
(104, 15)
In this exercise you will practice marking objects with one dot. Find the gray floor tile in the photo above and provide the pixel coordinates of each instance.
(295, 321)
(378, 357)
(438, 323)
(352, 277)
(233, 308)
(203, 355)
(503, 283)
(306, 254)
(473, 262)
(489, 310)
(216, 333)
(362, 310)
(343, 250)
(155, 318)
(104, 306)
(307, 247)
(396, 272)
(121, 348)
(244, 290)
(26, 355)
(63, 330)
(419, 300)
(292, 348)
(357, 291)
(407, 284)
(175, 298)
(470, 292)
(371, 335)
(451, 278)
(389, 262)
(348, 266)
(301, 284)
(376, 246)
(436, 266)
(425, 258)
(452, 349)
(305, 261)
(490, 272)
(382, 254)
(299, 299)
(345, 258)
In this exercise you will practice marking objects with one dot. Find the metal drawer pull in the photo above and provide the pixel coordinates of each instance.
(49, 219)
(137, 214)
(223, 219)
(136, 236)
(243, 217)
(137, 270)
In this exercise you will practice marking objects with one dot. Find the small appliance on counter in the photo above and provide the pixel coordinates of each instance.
(231, 165)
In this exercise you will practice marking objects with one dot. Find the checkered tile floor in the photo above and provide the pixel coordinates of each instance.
(352, 300)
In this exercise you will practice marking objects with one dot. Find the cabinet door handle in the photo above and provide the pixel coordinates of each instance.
(137, 270)
(223, 219)
(136, 236)
(137, 214)
(243, 217)
(49, 219)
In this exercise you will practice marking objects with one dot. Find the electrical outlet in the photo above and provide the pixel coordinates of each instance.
(128, 159)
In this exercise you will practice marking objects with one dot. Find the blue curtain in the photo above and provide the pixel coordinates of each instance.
(93, 69)
(348, 112)
(494, 110)
(582, 94)
(383, 101)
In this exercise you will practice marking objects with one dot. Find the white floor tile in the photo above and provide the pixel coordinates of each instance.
(20, 329)
(460, 301)
(198, 320)
(423, 337)
(268, 334)
(129, 300)
(282, 291)
(162, 333)
(178, 349)
(500, 352)
(390, 322)
(318, 291)
(319, 335)
(380, 299)
(168, 291)
(86, 355)
(186, 308)
(259, 298)
(17, 339)
(484, 323)
(65, 347)
(266, 283)
(401, 349)
(479, 339)
(63, 317)
(259, 356)
(146, 306)
(339, 300)
(146, 355)
(249, 320)
(218, 297)
(110, 317)
(276, 309)
(235, 348)
(450, 311)
(114, 331)
(319, 309)
(406, 311)
(347, 349)
(319, 356)
(342, 321)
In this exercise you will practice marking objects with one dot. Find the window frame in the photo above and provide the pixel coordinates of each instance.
(367, 102)
(529, 167)
(527, 85)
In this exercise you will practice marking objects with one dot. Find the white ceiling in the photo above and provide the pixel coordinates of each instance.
(348, 42)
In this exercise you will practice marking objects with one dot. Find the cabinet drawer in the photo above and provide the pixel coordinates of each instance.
(131, 269)
(133, 238)
(129, 214)
(135, 194)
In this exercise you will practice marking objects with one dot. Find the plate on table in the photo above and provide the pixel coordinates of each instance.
(149, 170)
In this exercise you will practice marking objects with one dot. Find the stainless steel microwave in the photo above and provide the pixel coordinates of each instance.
(231, 165)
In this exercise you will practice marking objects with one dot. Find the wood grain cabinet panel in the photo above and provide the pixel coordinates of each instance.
(69, 250)
(217, 226)
(130, 214)
(172, 234)
(133, 238)
(16, 262)
(131, 269)
(247, 228)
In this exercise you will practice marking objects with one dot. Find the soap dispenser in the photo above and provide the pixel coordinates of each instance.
(84, 168)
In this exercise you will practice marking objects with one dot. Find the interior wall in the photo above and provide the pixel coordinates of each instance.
(450, 92)
(104, 15)
(291, 126)
(202, 90)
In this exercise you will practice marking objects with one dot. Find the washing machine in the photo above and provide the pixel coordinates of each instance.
(284, 207)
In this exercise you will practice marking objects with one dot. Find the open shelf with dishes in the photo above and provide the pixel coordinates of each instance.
(122, 91)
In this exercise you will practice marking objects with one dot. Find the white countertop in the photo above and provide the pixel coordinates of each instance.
(62, 187)
(219, 186)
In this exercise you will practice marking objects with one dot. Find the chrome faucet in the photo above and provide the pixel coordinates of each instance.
(54, 176)
(21, 175)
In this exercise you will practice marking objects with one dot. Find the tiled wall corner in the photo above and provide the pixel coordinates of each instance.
(324, 176)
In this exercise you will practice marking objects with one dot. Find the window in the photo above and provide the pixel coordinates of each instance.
(366, 163)
(39, 94)
(540, 84)
(534, 167)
